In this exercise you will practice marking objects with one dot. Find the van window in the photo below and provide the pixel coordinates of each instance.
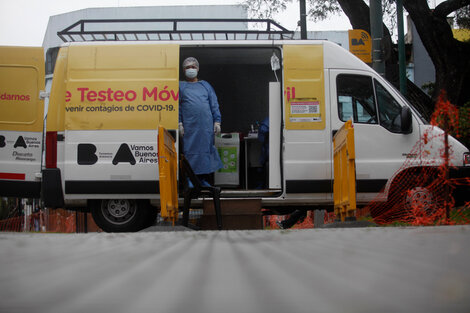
(356, 99)
(389, 109)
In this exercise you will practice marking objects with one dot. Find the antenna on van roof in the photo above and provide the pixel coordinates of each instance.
(173, 29)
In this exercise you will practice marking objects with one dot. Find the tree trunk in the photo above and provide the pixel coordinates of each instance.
(449, 56)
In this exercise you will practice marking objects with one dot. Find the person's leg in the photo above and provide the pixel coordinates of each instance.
(205, 179)
(292, 219)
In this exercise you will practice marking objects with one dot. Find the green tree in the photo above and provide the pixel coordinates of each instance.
(462, 17)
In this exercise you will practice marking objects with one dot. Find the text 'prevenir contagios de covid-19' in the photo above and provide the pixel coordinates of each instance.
(110, 100)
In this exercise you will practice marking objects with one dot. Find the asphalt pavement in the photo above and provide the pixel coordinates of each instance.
(412, 269)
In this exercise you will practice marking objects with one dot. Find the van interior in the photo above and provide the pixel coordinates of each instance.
(240, 77)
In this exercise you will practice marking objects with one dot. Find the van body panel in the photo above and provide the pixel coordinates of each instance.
(110, 101)
(433, 149)
(56, 105)
(307, 143)
(111, 161)
(22, 78)
(275, 118)
(304, 93)
(133, 87)
(22, 72)
(336, 57)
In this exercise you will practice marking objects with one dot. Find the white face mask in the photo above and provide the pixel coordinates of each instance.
(190, 73)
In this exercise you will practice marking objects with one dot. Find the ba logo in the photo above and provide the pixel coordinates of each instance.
(86, 154)
(124, 154)
(360, 41)
(20, 143)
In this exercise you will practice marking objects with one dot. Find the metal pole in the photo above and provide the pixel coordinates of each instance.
(446, 168)
(401, 48)
(376, 27)
(77, 227)
(303, 20)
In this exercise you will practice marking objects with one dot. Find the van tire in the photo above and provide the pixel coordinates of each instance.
(120, 215)
(417, 193)
(423, 199)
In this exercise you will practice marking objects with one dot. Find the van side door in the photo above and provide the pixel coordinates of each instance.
(381, 145)
(307, 143)
(117, 96)
(21, 120)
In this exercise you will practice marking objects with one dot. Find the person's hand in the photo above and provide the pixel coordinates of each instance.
(181, 129)
(217, 128)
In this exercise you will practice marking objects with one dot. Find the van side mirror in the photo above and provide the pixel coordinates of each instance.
(406, 120)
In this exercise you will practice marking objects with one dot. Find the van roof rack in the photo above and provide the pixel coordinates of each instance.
(172, 29)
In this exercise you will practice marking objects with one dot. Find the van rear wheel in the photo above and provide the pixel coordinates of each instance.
(120, 215)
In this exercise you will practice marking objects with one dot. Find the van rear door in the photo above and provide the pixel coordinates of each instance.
(21, 120)
(307, 145)
(117, 96)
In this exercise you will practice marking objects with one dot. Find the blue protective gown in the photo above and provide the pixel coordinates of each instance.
(198, 110)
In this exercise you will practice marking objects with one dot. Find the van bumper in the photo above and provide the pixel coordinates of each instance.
(20, 189)
(460, 175)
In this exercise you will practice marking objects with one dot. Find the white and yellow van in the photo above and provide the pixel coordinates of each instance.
(108, 99)
(22, 93)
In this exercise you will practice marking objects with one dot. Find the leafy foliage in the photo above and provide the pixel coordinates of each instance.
(265, 9)
(462, 17)
(464, 123)
(321, 10)
(317, 10)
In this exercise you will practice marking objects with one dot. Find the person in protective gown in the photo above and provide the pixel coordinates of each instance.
(199, 120)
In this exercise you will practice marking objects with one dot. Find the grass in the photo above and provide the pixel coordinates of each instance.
(460, 215)
(457, 216)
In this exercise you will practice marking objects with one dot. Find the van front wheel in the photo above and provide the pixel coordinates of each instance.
(119, 215)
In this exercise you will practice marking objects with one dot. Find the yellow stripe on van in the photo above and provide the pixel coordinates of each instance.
(304, 88)
(120, 87)
(21, 80)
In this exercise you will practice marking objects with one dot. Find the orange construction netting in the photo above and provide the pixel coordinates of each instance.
(421, 194)
(51, 221)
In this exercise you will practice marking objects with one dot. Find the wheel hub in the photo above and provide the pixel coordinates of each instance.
(420, 198)
(118, 211)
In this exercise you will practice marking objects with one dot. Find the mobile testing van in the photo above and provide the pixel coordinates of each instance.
(108, 99)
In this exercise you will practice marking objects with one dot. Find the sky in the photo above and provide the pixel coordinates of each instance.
(24, 22)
